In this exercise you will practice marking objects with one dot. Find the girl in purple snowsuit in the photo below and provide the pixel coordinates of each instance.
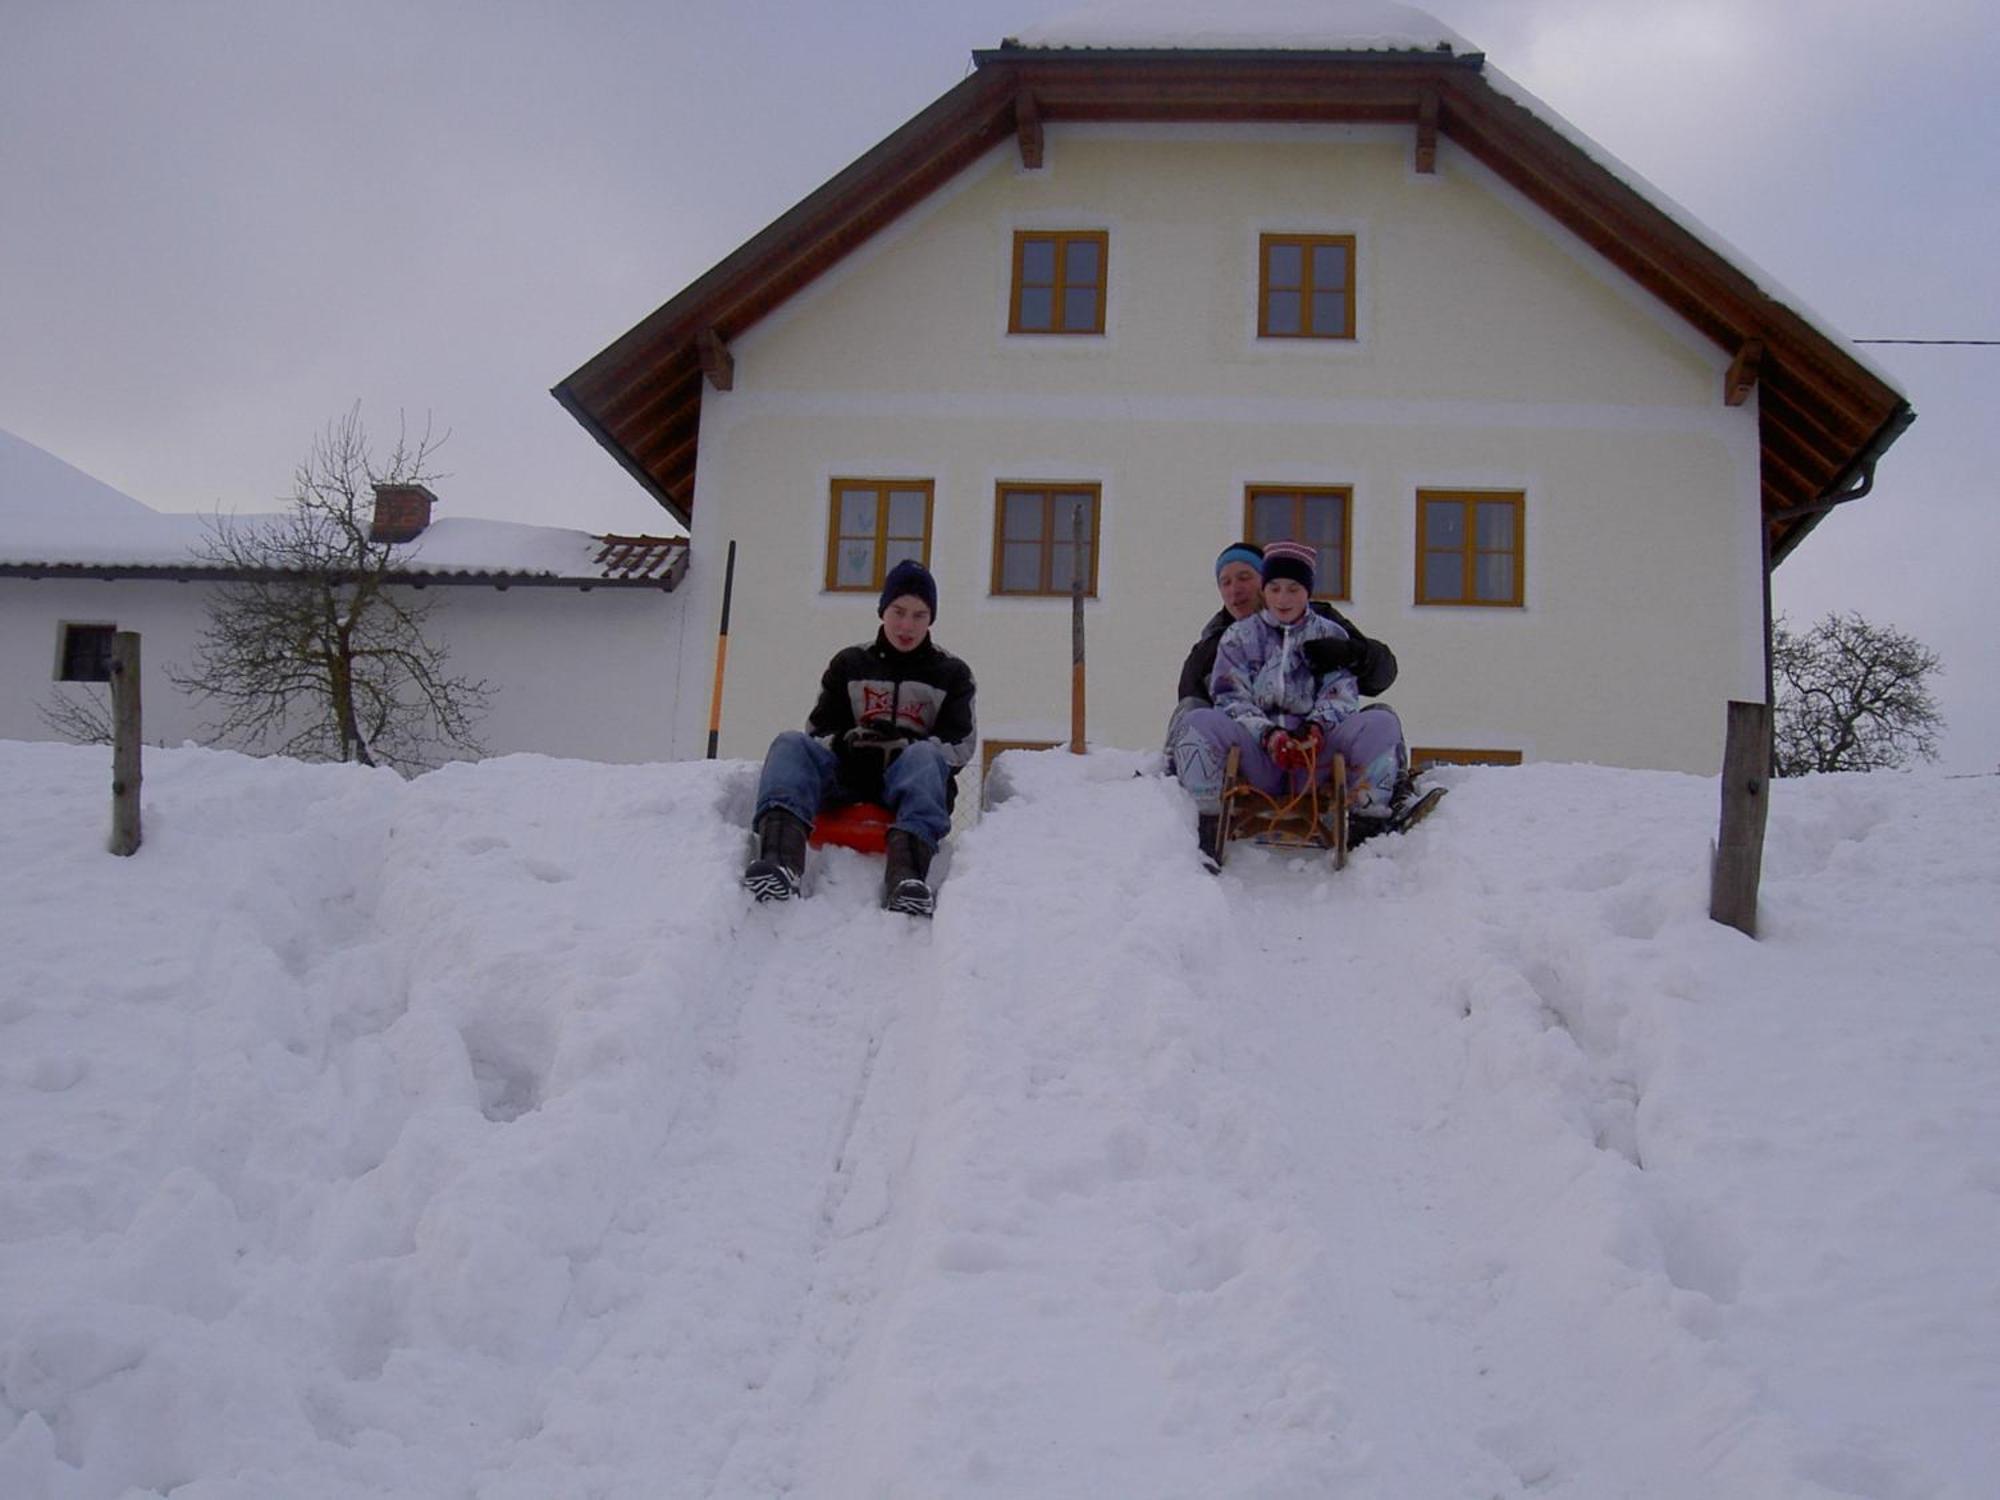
(1270, 704)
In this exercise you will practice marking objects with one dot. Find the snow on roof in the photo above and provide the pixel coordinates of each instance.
(1261, 25)
(55, 515)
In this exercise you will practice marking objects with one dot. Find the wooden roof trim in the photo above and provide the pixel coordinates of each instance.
(1701, 285)
(873, 189)
(641, 396)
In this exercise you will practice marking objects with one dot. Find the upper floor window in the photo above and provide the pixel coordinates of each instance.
(1314, 514)
(1034, 538)
(1059, 280)
(1305, 286)
(872, 525)
(86, 653)
(1470, 547)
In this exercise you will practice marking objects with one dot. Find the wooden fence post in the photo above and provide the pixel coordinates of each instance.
(126, 738)
(1076, 633)
(1738, 860)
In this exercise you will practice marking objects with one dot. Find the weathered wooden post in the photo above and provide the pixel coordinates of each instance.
(1076, 633)
(1738, 861)
(126, 737)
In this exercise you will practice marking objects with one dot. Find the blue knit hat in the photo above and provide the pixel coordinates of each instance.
(1240, 552)
(908, 577)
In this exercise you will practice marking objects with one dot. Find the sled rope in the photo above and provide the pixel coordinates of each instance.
(1308, 794)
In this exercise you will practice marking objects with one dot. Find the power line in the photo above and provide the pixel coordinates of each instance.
(1977, 343)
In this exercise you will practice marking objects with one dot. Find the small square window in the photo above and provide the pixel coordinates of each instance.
(1059, 281)
(1034, 538)
(1318, 515)
(873, 524)
(1471, 547)
(86, 653)
(1305, 286)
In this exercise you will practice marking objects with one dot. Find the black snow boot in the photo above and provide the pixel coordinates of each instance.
(1208, 835)
(906, 880)
(778, 871)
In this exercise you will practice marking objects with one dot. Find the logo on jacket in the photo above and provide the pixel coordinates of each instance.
(879, 702)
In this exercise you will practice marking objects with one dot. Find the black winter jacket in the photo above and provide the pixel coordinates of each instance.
(1374, 676)
(926, 693)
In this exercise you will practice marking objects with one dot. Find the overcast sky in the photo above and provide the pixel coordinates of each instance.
(223, 222)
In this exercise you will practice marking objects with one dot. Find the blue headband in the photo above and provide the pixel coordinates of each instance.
(1241, 552)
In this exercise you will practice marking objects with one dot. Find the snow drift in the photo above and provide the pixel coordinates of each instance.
(475, 1136)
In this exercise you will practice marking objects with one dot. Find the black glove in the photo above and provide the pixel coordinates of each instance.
(1335, 654)
(876, 734)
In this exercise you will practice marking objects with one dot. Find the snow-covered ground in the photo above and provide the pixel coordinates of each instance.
(475, 1137)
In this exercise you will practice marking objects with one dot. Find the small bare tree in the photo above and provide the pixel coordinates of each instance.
(78, 712)
(314, 650)
(1852, 696)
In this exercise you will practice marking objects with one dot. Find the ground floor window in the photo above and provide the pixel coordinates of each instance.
(873, 524)
(84, 653)
(1034, 538)
(1470, 547)
(1316, 514)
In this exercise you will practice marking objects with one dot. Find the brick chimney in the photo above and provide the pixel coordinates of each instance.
(402, 511)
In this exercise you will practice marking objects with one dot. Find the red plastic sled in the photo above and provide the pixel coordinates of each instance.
(861, 826)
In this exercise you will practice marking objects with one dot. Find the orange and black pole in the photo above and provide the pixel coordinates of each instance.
(721, 651)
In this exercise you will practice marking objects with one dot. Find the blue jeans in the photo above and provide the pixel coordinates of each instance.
(800, 774)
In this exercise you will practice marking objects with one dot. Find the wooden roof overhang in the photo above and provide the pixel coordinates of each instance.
(1824, 416)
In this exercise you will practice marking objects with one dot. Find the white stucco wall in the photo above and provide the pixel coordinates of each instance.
(1494, 351)
(588, 675)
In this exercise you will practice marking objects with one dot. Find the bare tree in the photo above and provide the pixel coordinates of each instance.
(1852, 696)
(314, 649)
(79, 712)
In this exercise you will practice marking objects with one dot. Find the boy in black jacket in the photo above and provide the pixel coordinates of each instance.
(893, 724)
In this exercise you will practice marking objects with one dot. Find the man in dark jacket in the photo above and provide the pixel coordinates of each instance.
(1239, 580)
(893, 724)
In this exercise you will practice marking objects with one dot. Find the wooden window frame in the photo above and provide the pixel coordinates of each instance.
(1300, 492)
(991, 750)
(71, 631)
(1307, 243)
(1470, 552)
(1423, 757)
(1062, 240)
(1048, 491)
(881, 487)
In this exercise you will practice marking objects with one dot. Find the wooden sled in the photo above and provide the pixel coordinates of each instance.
(1314, 817)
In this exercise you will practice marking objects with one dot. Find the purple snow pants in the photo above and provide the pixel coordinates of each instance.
(1371, 738)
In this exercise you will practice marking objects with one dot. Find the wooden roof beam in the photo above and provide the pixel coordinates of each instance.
(1028, 129)
(1742, 377)
(717, 363)
(1427, 132)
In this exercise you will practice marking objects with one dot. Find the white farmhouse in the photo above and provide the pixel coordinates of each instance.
(1549, 435)
(573, 633)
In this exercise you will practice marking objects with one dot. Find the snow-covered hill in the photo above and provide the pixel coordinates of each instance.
(475, 1137)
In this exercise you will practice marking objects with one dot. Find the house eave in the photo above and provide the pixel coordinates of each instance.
(641, 397)
(173, 573)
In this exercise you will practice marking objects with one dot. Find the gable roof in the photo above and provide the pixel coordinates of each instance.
(1825, 414)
